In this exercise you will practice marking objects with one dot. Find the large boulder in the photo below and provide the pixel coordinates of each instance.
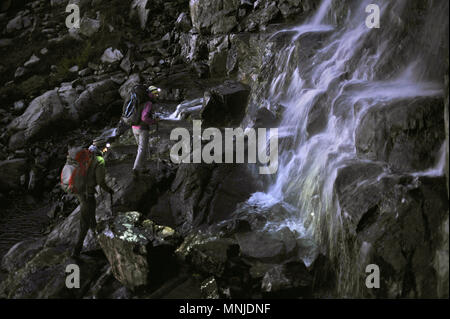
(138, 251)
(208, 253)
(186, 192)
(111, 56)
(267, 246)
(44, 276)
(68, 96)
(59, 109)
(207, 193)
(133, 80)
(407, 134)
(66, 232)
(396, 223)
(19, 254)
(43, 112)
(95, 97)
(225, 104)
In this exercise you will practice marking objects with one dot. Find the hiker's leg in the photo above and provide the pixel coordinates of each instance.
(137, 161)
(91, 212)
(136, 134)
(141, 156)
(84, 224)
(145, 146)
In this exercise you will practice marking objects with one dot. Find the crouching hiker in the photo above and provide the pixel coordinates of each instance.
(138, 113)
(84, 170)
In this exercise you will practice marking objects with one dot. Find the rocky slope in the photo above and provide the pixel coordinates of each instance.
(188, 230)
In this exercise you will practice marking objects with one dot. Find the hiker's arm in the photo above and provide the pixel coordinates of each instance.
(122, 127)
(100, 174)
(146, 115)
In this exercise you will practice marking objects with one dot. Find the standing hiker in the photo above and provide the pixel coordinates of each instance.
(84, 170)
(138, 113)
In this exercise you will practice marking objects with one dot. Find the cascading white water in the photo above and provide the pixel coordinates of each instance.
(344, 79)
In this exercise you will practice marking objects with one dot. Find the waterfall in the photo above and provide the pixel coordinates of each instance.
(325, 96)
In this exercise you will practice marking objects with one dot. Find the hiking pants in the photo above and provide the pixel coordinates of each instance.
(87, 219)
(141, 137)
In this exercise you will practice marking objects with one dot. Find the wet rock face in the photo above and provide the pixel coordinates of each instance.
(407, 134)
(217, 24)
(214, 16)
(396, 223)
(265, 119)
(225, 105)
(206, 193)
(347, 183)
(139, 252)
(225, 16)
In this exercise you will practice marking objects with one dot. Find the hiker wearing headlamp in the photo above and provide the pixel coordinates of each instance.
(138, 113)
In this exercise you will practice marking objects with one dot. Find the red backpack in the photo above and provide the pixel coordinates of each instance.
(74, 175)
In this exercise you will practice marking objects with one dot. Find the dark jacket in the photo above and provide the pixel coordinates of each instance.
(146, 117)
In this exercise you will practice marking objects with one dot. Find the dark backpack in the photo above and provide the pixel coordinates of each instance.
(133, 107)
